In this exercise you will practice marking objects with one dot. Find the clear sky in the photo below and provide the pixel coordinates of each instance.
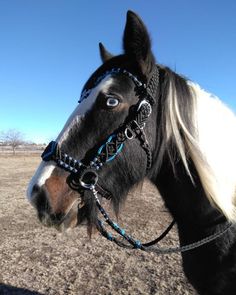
(48, 49)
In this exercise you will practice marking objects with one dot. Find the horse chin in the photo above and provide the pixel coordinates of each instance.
(70, 220)
(64, 221)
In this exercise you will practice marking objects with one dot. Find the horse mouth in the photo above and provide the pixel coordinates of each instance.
(61, 221)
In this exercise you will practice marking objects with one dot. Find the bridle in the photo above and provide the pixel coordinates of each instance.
(84, 174)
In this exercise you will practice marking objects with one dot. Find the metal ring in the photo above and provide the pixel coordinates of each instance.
(88, 179)
(128, 133)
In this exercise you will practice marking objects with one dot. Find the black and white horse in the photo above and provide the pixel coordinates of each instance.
(191, 136)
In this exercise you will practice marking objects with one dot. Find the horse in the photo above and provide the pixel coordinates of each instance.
(139, 119)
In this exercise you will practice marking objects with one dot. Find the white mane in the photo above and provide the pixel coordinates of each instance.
(212, 147)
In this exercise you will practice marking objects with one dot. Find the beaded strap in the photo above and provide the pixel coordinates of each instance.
(85, 93)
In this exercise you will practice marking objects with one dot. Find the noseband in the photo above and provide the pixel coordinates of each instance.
(84, 176)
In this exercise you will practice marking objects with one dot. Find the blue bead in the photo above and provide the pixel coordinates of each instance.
(115, 225)
(122, 232)
(109, 236)
(138, 244)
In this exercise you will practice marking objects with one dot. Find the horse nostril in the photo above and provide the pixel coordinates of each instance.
(32, 194)
(39, 200)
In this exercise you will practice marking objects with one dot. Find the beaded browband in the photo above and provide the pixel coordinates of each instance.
(141, 87)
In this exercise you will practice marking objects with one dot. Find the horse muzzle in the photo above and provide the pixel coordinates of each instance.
(54, 208)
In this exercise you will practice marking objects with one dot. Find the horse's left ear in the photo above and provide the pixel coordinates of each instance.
(137, 43)
(105, 55)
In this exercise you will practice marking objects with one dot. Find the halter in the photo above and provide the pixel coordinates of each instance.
(84, 177)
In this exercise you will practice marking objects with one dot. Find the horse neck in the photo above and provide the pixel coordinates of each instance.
(187, 202)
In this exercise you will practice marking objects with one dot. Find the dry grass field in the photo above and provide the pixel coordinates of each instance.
(39, 260)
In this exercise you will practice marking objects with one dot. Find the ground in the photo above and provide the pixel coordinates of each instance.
(39, 260)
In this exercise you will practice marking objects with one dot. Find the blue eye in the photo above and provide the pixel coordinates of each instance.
(112, 102)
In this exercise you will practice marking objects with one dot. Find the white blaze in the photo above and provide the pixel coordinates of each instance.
(45, 169)
(43, 172)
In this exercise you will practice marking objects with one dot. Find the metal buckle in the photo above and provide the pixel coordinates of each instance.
(88, 179)
(130, 131)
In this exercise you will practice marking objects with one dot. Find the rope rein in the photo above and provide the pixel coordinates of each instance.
(131, 243)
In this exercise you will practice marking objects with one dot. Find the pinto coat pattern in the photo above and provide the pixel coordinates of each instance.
(192, 136)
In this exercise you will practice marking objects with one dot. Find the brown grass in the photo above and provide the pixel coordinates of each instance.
(38, 260)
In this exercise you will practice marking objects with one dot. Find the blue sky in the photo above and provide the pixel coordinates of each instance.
(48, 49)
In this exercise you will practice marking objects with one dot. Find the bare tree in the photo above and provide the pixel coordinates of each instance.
(13, 138)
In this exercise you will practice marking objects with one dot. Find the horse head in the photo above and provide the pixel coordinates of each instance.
(109, 103)
(136, 119)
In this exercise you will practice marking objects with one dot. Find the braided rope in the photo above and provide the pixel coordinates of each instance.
(131, 242)
(85, 92)
(192, 246)
(135, 243)
(149, 247)
(152, 85)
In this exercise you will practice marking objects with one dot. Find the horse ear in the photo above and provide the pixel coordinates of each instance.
(137, 43)
(105, 55)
